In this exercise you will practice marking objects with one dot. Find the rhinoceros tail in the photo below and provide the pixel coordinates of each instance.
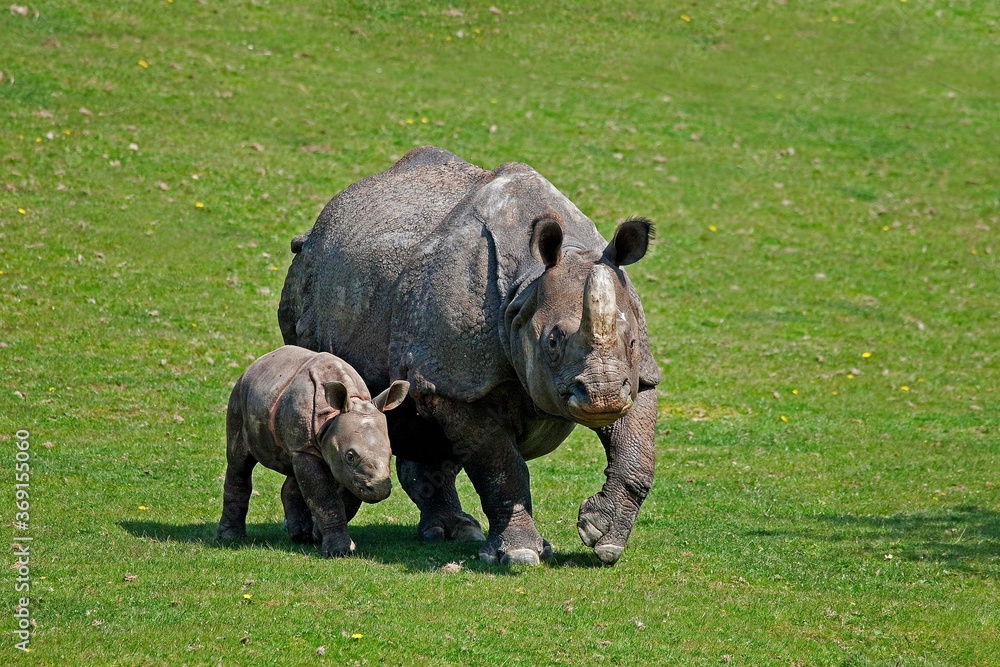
(298, 242)
(290, 305)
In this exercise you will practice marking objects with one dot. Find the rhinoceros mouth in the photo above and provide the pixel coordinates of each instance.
(373, 492)
(591, 418)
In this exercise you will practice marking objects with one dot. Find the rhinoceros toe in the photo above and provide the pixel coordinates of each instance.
(520, 557)
(589, 533)
(431, 534)
(609, 553)
(340, 550)
(468, 533)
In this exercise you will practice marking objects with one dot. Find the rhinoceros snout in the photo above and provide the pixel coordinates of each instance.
(373, 492)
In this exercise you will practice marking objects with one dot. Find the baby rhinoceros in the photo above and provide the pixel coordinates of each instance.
(308, 415)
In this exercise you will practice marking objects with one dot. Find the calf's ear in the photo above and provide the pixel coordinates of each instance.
(393, 396)
(336, 396)
(546, 241)
(630, 242)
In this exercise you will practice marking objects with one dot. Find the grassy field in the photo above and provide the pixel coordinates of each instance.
(822, 298)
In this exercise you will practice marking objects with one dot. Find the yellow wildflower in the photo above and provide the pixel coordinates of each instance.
(356, 636)
(199, 205)
(711, 228)
(784, 418)
(685, 18)
(21, 211)
(143, 64)
(865, 355)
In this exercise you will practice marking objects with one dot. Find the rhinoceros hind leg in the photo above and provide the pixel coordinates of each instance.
(237, 489)
(298, 518)
(431, 486)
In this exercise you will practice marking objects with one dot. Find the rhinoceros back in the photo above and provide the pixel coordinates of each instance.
(337, 295)
(280, 398)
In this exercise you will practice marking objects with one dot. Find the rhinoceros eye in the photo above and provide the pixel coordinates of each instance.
(351, 457)
(554, 343)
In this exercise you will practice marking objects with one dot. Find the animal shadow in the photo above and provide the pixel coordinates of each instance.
(965, 537)
(390, 544)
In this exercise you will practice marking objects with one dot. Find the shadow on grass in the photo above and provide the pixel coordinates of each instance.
(390, 544)
(962, 537)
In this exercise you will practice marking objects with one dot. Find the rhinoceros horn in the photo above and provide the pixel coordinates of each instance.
(600, 309)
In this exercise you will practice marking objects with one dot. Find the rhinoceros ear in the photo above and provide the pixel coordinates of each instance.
(630, 242)
(393, 396)
(336, 396)
(546, 241)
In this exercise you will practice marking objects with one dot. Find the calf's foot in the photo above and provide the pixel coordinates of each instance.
(231, 533)
(337, 545)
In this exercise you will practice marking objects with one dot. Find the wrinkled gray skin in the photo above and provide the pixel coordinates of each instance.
(513, 321)
(309, 416)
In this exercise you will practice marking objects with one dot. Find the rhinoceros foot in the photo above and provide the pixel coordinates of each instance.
(231, 533)
(603, 526)
(338, 546)
(460, 527)
(302, 538)
(502, 550)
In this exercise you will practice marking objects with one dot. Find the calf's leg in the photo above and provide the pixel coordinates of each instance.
(322, 494)
(238, 484)
(298, 518)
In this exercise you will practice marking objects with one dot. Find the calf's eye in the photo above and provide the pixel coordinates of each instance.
(351, 457)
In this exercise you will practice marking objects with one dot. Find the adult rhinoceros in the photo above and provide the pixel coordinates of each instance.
(512, 320)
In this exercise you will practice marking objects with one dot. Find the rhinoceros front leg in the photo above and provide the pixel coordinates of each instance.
(431, 486)
(606, 518)
(322, 494)
(498, 472)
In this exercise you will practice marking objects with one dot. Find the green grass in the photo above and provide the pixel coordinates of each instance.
(127, 313)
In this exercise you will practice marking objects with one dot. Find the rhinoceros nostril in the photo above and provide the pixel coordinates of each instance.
(578, 391)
